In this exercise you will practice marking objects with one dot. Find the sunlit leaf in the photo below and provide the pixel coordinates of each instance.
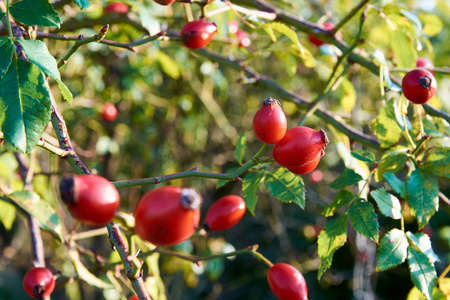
(388, 204)
(250, 188)
(342, 198)
(286, 186)
(364, 219)
(239, 152)
(423, 272)
(392, 250)
(347, 178)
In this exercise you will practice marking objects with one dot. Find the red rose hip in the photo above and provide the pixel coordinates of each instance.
(164, 2)
(419, 86)
(318, 42)
(224, 213)
(168, 215)
(39, 283)
(306, 168)
(197, 34)
(109, 112)
(424, 63)
(299, 146)
(269, 122)
(91, 199)
(287, 283)
(116, 7)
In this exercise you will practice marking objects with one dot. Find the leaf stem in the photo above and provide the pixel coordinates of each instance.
(8, 24)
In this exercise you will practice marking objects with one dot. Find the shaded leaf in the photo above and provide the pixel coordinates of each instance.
(286, 186)
(347, 178)
(84, 274)
(2, 15)
(423, 199)
(364, 155)
(25, 103)
(396, 184)
(388, 204)
(342, 198)
(392, 161)
(331, 239)
(46, 216)
(423, 242)
(35, 12)
(438, 163)
(240, 148)
(423, 272)
(6, 54)
(392, 251)
(250, 188)
(82, 3)
(364, 219)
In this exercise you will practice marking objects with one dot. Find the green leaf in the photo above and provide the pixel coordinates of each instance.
(39, 55)
(386, 130)
(404, 49)
(364, 155)
(330, 240)
(423, 272)
(423, 242)
(46, 215)
(392, 251)
(35, 12)
(347, 178)
(432, 25)
(7, 214)
(169, 65)
(301, 52)
(250, 188)
(347, 97)
(342, 198)
(82, 3)
(6, 54)
(286, 186)
(438, 163)
(423, 199)
(388, 204)
(396, 184)
(415, 294)
(84, 273)
(392, 161)
(364, 219)
(25, 103)
(2, 15)
(240, 148)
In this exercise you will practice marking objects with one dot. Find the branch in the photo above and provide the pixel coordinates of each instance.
(350, 15)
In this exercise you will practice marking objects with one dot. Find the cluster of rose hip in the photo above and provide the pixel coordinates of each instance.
(299, 149)
(164, 216)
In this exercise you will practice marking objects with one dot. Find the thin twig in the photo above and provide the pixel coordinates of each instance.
(350, 15)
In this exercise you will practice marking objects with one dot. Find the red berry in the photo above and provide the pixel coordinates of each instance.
(225, 213)
(316, 176)
(318, 42)
(299, 146)
(242, 36)
(109, 112)
(197, 34)
(116, 7)
(306, 168)
(424, 63)
(164, 2)
(91, 199)
(419, 86)
(134, 297)
(269, 122)
(167, 215)
(39, 283)
(233, 26)
(287, 283)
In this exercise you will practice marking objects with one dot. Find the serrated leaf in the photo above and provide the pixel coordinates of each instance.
(396, 184)
(423, 242)
(438, 163)
(364, 219)
(286, 186)
(392, 251)
(347, 178)
(329, 241)
(35, 12)
(46, 215)
(342, 198)
(392, 161)
(84, 274)
(250, 188)
(65, 92)
(423, 193)
(423, 272)
(432, 24)
(25, 103)
(364, 155)
(386, 130)
(6, 54)
(388, 204)
(404, 49)
(82, 3)
(240, 148)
